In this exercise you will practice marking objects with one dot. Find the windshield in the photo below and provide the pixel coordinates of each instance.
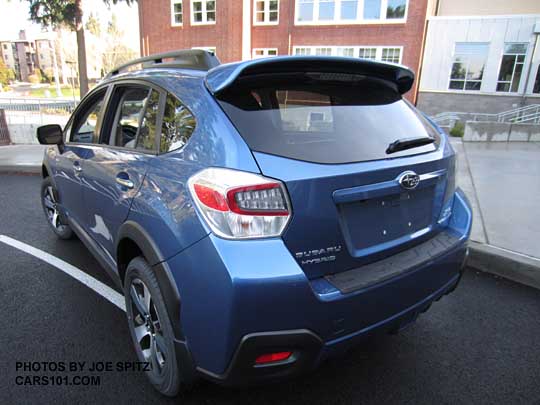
(325, 121)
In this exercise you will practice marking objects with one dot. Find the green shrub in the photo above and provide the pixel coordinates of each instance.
(34, 79)
(458, 129)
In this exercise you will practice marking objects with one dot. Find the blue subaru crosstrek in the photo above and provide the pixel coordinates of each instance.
(259, 216)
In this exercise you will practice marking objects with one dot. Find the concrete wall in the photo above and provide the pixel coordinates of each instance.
(488, 7)
(501, 132)
(433, 103)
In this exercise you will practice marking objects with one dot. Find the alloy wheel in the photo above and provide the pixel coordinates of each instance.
(147, 326)
(51, 209)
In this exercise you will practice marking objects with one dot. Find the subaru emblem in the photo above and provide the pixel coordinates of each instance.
(409, 180)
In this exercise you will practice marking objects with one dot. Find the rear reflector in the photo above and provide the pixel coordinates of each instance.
(272, 357)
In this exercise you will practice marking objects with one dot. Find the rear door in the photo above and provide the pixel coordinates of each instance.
(327, 137)
(115, 169)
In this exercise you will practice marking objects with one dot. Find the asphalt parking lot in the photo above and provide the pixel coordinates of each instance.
(479, 345)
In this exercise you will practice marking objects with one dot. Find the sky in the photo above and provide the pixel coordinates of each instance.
(14, 17)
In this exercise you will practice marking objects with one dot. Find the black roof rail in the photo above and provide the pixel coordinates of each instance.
(197, 59)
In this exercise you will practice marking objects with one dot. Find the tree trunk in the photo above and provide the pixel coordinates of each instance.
(81, 49)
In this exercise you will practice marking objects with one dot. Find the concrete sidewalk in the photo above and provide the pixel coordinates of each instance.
(502, 181)
(21, 158)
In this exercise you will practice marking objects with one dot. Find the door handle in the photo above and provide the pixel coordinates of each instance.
(77, 167)
(125, 182)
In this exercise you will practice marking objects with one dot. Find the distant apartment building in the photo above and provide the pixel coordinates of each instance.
(20, 55)
(386, 30)
(481, 56)
(24, 56)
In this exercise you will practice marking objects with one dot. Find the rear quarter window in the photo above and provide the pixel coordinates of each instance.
(325, 121)
(178, 125)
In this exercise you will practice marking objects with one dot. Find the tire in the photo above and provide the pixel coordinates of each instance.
(49, 201)
(151, 331)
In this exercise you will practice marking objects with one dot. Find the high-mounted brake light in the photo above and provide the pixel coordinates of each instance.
(240, 205)
(272, 357)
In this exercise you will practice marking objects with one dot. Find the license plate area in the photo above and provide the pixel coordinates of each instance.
(378, 221)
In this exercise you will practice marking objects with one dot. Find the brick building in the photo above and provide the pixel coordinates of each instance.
(388, 30)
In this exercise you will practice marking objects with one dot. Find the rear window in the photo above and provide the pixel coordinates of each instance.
(336, 119)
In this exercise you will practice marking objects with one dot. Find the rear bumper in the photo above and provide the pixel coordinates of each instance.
(309, 350)
(241, 300)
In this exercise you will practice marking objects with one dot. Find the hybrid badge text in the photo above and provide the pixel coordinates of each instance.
(317, 256)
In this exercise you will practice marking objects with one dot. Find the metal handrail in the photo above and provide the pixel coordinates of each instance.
(529, 113)
(518, 110)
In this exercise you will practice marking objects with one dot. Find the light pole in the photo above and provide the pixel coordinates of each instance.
(55, 68)
(71, 63)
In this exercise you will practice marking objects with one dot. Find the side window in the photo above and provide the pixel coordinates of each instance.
(128, 116)
(178, 125)
(85, 129)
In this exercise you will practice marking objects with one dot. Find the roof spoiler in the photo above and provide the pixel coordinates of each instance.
(224, 76)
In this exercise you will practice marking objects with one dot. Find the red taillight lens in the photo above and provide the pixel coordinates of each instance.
(210, 197)
(261, 199)
(272, 357)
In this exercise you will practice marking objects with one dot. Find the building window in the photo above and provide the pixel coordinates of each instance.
(305, 10)
(327, 10)
(302, 51)
(176, 13)
(385, 54)
(396, 9)
(266, 12)
(203, 12)
(264, 52)
(468, 66)
(367, 53)
(348, 52)
(350, 11)
(536, 88)
(372, 9)
(511, 67)
(392, 55)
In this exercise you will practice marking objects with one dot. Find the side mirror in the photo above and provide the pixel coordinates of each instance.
(50, 135)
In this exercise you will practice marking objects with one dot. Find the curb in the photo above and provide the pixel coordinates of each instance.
(517, 267)
(20, 169)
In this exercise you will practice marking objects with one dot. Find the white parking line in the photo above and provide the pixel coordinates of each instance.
(105, 291)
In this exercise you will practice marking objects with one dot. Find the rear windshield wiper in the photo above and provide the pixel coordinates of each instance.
(408, 143)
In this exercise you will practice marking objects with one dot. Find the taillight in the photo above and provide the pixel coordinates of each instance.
(240, 205)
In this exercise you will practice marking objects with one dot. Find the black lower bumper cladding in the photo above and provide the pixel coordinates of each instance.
(304, 344)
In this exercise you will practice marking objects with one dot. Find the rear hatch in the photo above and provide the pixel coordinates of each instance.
(326, 135)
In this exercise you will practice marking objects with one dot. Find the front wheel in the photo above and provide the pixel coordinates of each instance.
(49, 202)
(151, 329)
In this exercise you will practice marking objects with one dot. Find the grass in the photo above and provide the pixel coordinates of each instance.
(66, 92)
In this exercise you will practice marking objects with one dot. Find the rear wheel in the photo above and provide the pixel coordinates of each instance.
(150, 327)
(49, 202)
